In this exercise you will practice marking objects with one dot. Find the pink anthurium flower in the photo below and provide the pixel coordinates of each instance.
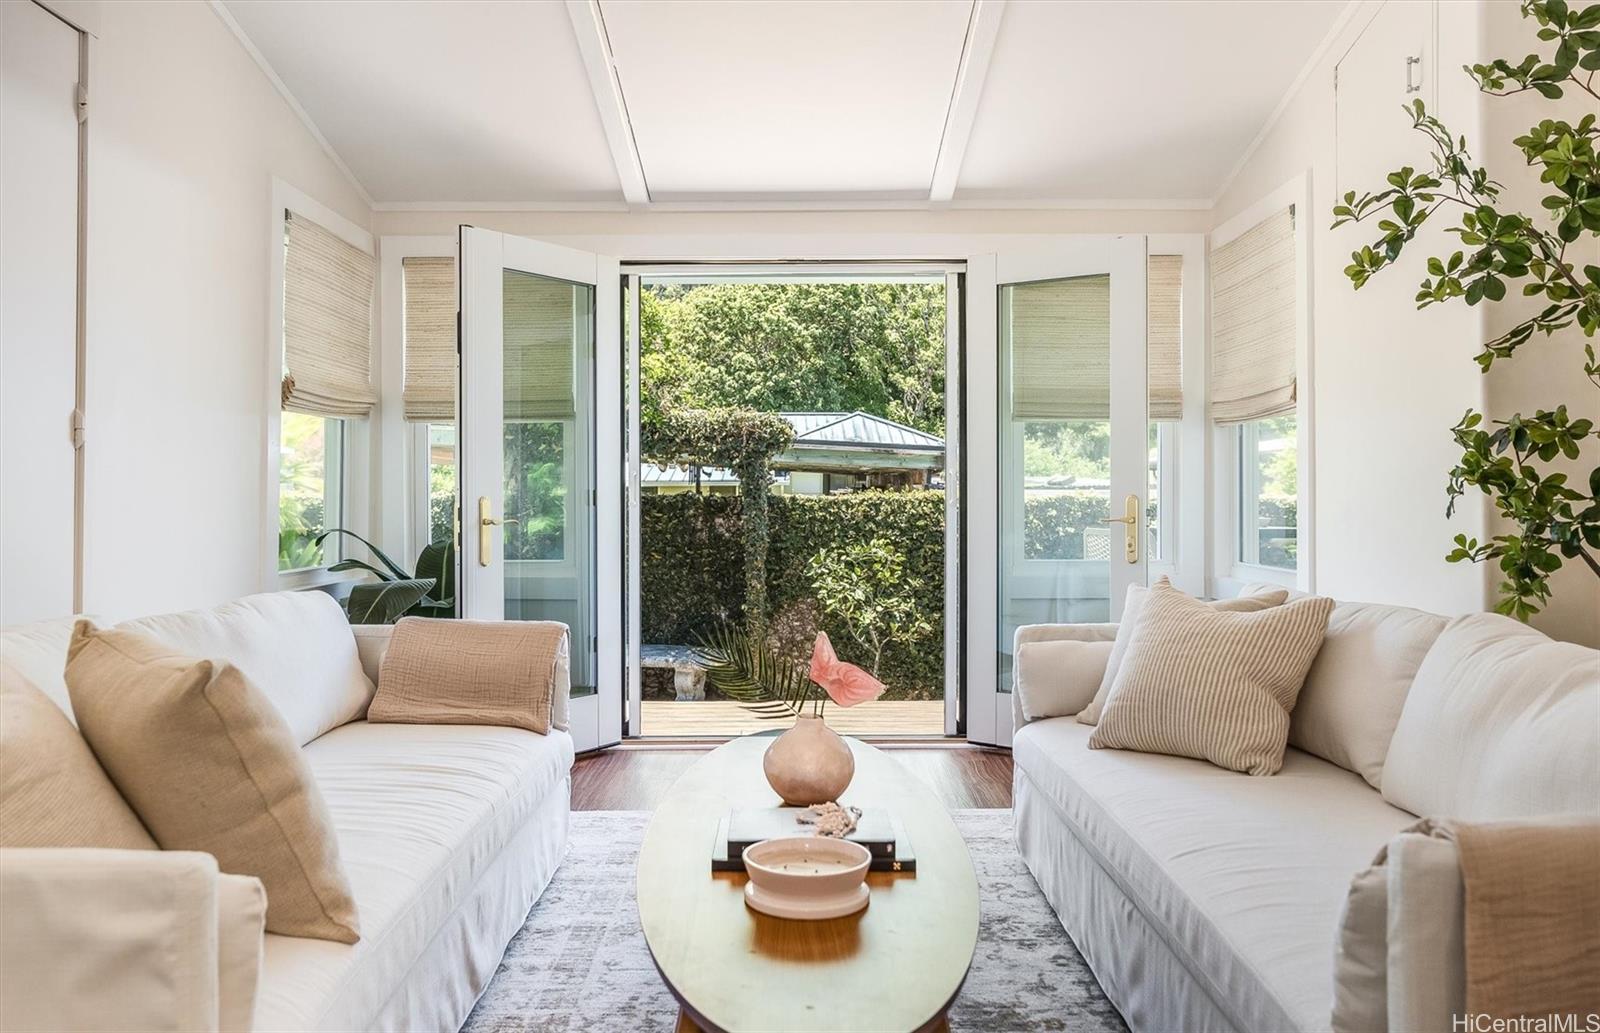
(846, 684)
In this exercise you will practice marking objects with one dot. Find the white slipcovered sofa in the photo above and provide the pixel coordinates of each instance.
(1209, 900)
(447, 833)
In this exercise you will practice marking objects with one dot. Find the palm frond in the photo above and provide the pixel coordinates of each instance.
(768, 686)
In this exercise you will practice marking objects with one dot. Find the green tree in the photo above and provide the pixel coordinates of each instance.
(864, 585)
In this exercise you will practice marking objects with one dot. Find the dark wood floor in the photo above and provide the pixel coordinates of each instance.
(636, 777)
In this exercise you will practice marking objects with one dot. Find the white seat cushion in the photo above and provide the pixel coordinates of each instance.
(420, 812)
(296, 647)
(1244, 876)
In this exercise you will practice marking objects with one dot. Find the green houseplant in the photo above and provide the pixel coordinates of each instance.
(429, 593)
(1551, 519)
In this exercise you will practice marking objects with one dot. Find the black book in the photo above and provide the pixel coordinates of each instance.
(877, 830)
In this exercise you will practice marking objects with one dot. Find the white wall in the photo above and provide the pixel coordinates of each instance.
(1545, 372)
(185, 135)
(1388, 381)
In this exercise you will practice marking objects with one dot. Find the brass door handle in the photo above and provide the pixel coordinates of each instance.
(1130, 527)
(486, 523)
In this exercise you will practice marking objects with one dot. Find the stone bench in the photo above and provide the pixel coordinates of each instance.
(688, 677)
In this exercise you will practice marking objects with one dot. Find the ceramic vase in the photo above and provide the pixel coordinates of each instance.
(809, 764)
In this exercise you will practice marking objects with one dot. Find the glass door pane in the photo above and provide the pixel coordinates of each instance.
(1055, 444)
(548, 459)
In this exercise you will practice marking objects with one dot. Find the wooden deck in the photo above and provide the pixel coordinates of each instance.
(715, 717)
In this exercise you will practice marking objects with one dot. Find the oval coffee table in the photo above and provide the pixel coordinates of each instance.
(897, 965)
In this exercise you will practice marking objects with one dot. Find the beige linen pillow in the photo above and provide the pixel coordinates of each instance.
(457, 672)
(1055, 678)
(1131, 607)
(53, 793)
(209, 764)
(1216, 686)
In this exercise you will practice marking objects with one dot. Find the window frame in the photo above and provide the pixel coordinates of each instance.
(356, 436)
(1231, 572)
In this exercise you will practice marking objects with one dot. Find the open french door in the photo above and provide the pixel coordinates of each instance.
(541, 455)
(1057, 464)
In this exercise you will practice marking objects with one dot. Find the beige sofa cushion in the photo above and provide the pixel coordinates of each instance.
(53, 793)
(295, 647)
(208, 764)
(1213, 685)
(1501, 722)
(1358, 683)
(1058, 678)
(455, 672)
(1131, 607)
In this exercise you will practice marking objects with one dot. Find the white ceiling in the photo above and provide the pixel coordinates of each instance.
(471, 102)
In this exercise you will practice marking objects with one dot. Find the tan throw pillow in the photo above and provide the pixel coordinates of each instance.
(1133, 604)
(208, 764)
(1216, 686)
(450, 672)
(53, 793)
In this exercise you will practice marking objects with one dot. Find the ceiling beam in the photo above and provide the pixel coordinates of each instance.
(588, 24)
(983, 27)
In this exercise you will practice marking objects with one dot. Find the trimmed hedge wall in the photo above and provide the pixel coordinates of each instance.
(694, 575)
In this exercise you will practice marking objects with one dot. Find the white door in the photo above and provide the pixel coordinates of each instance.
(38, 313)
(1058, 457)
(541, 455)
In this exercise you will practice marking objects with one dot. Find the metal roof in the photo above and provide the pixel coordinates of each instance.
(858, 430)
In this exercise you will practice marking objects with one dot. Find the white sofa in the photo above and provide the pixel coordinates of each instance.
(448, 835)
(1209, 900)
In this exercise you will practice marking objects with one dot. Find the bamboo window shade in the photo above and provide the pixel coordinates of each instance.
(540, 332)
(327, 323)
(1164, 336)
(1061, 349)
(1253, 320)
(430, 339)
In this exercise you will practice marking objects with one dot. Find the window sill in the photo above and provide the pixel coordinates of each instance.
(315, 578)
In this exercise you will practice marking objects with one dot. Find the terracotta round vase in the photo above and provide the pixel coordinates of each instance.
(809, 764)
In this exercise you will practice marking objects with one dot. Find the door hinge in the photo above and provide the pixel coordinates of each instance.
(83, 102)
(77, 428)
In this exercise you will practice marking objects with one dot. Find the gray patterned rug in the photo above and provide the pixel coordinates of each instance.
(580, 963)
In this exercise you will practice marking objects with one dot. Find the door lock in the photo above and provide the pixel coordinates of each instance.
(486, 524)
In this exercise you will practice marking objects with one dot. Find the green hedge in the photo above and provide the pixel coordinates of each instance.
(694, 575)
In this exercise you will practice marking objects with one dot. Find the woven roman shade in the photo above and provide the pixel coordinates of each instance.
(327, 323)
(430, 339)
(539, 331)
(1164, 336)
(1061, 349)
(1253, 322)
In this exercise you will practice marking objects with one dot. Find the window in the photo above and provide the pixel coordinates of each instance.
(441, 482)
(536, 490)
(1268, 479)
(323, 297)
(310, 489)
(1066, 489)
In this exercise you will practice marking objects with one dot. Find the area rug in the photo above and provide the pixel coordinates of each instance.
(580, 963)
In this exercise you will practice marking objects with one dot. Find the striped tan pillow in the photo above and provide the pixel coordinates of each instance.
(1213, 685)
(1261, 600)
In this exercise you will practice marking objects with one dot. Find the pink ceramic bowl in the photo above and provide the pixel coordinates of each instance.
(807, 866)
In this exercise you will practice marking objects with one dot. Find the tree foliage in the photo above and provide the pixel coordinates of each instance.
(1508, 460)
(797, 347)
(865, 586)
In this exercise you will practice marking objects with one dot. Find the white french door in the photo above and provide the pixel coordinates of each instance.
(1058, 461)
(541, 455)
